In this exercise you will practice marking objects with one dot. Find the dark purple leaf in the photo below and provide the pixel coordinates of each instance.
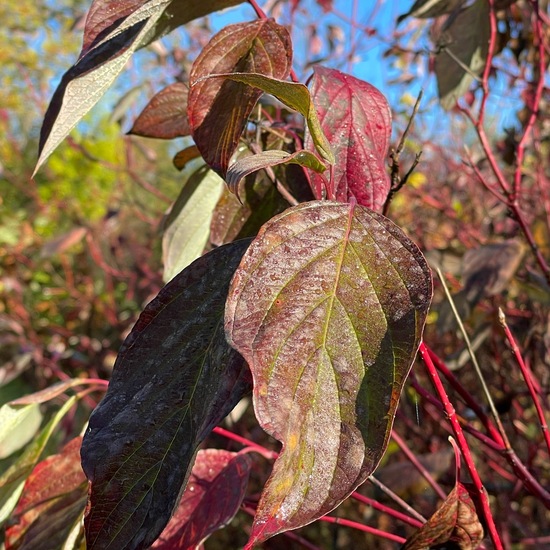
(218, 109)
(175, 378)
(356, 119)
(165, 116)
(212, 497)
(327, 307)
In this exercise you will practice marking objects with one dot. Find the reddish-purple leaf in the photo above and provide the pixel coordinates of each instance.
(218, 109)
(165, 116)
(327, 307)
(455, 521)
(212, 497)
(53, 500)
(175, 378)
(103, 16)
(356, 119)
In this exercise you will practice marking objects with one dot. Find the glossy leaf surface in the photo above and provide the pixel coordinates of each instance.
(455, 521)
(53, 500)
(174, 379)
(212, 497)
(327, 307)
(218, 109)
(165, 116)
(188, 225)
(356, 119)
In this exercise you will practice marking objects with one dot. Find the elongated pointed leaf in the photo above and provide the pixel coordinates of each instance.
(188, 225)
(13, 479)
(114, 30)
(83, 85)
(293, 95)
(218, 109)
(462, 52)
(165, 116)
(247, 165)
(213, 496)
(53, 500)
(356, 119)
(327, 307)
(175, 378)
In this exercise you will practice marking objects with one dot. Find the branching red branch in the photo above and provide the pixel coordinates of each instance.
(365, 528)
(463, 445)
(527, 375)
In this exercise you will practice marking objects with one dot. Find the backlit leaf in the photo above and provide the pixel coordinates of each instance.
(53, 500)
(83, 84)
(13, 479)
(356, 119)
(455, 521)
(181, 158)
(212, 497)
(18, 424)
(293, 95)
(218, 109)
(252, 163)
(188, 225)
(165, 116)
(175, 378)
(327, 307)
(114, 30)
(462, 51)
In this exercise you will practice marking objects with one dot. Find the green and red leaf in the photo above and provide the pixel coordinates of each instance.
(218, 109)
(175, 378)
(327, 307)
(52, 503)
(356, 119)
(213, 495)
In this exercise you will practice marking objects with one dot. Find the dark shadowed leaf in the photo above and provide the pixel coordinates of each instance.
(431, 8)
(114, 30)
(187, 226)
(234, 218)
(462, 52)
(213, 495)
(327, 307)
(247, 165)
(293, 95)
(175, 378)
(218, 109)
(52, 503)
(165, 116)
(356, 119)
(13, 479)
(455, 521)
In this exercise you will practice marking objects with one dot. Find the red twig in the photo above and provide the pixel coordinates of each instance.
(270, 455)
(463, 445)
(527, 375)
(365, 528)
